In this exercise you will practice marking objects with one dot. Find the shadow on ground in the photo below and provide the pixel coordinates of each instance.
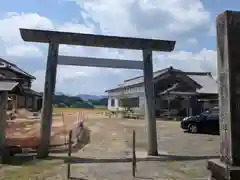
(205, 133)
(74, 178)
(84, 139)
(18, 160)
(163, 158)
(136, 177)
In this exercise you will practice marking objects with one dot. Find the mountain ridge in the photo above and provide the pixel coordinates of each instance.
(87, 97)
(84, 97)
(79, 101)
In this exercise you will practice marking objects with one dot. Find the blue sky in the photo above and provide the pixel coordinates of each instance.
(190, 22)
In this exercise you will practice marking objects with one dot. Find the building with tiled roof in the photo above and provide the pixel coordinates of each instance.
(22, 96)
(174, 89)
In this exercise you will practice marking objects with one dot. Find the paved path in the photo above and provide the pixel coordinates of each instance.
(111, 139)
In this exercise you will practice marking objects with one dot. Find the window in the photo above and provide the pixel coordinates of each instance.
(130, 102)
(113, 102)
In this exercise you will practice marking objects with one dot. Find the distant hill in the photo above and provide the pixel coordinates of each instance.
(66, 101)
(100, 102)
(87, 97)
(88, 101)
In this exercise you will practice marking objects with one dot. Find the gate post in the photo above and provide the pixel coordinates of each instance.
(47, 108)
(150, 103)
(134, 160)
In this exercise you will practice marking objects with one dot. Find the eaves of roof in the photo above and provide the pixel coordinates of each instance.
(137, 81)
(203, 79)
(12, 67)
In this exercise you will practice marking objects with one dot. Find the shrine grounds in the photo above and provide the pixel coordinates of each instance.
(183, 156)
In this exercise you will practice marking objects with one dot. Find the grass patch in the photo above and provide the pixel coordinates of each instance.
(100, 107)
(30, 170)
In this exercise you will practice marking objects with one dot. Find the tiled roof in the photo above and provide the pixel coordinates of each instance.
(31, 92)
(7, 85)
(138, 80)
(209, 85)
(204, 79)
(7, 65)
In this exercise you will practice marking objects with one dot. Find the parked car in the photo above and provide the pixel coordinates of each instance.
(208, 121)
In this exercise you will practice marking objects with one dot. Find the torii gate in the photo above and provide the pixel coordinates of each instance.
(54, 38)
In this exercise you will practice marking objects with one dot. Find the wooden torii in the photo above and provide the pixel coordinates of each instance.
(54, 38)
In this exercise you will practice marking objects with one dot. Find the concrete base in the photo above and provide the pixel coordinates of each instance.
(219, 170)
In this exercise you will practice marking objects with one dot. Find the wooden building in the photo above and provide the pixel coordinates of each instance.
(177, 93)
(22, 96)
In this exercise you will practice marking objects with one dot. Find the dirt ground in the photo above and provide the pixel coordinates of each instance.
(183, 156)
(24, 130)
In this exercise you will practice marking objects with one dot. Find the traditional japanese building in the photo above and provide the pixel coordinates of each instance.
(176, 92)
(22, 96)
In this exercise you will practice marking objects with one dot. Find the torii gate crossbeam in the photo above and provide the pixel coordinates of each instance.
(54, 38)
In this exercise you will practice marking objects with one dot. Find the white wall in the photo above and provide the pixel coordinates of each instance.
(126, 91)
(129, 92)
(116, 103)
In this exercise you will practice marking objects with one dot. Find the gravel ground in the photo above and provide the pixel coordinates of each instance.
(184, 155)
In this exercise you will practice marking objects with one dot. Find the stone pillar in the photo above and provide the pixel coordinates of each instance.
(228, 43)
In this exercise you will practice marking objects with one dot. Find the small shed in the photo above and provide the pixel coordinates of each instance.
(5, 87)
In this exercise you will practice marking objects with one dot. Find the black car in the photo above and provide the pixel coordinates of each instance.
(208, 121)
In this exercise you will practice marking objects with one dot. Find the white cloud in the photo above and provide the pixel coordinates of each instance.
(147, 18)
(192, 41)
(9, 31)
(10, 34)
(77, 28)
(212, 30)
(38, 84)
(23, 51)
(167, 19)
(204, 60)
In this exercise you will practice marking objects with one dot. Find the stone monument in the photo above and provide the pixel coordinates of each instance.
(228, 55)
